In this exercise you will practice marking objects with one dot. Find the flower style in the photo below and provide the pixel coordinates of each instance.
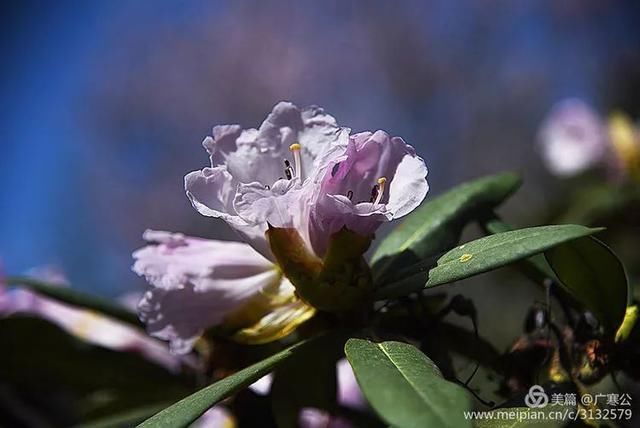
(306, 197)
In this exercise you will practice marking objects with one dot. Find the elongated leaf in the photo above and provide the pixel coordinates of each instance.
(190, 408)
(535, 267)
(76, 298)
(437, 224)
(594, 275)
(127, 418)
(405, 387)
(488, 253)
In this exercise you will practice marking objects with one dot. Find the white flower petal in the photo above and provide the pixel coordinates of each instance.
(196, 283)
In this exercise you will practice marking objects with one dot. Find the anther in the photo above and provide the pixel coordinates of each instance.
(288, 171)
(380, 190)
(335, 169)
(297, 161)
(350, 194)
(374, 193)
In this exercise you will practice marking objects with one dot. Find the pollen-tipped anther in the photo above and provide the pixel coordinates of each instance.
(381, 183)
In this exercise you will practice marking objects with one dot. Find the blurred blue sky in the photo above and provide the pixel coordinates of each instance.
(104, 103)
(45, 49)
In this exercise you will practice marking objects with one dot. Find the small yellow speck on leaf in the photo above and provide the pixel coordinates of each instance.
(465, 257)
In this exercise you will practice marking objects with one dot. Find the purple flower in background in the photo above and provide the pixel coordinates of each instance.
(573, 138)
(198, 283)
(349, 395)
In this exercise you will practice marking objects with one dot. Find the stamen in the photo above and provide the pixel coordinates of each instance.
(350, 194)
(288, 171)
(374, 193)
(381, 182)
(297, 161)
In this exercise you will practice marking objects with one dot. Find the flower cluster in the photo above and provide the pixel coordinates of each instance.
(306, 197)
(575, 138)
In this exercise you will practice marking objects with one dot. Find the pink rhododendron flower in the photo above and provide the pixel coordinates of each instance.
(250, 165)
(298, 171)
(376, 179)
(573, 138)
(199, 283)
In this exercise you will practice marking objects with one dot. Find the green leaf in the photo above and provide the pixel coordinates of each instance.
(190, 408)
(405, 387)
(438, 223)
(127, 418)
(485, 254)
(535, 267)
(594, 275)
(76, 298)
